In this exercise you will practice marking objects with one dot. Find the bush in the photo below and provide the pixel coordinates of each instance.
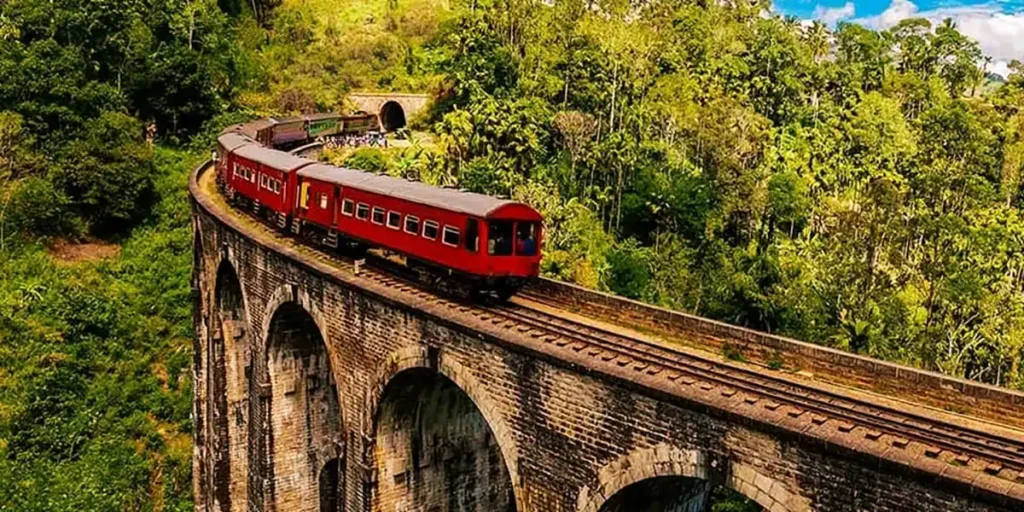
(367, 159)
(630, 273)
(108, 174)
(38, 208)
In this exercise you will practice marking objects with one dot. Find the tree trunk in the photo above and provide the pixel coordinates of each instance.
(615, 88)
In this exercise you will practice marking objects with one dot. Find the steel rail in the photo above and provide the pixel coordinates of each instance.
(898, 423)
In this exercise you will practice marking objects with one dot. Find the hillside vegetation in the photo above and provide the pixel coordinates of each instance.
(852, 188)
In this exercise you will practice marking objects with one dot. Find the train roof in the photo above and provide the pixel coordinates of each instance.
(252, 128)
(289, 120)
(232, 140)
(469, 203)
(273, 158)
(319, 117)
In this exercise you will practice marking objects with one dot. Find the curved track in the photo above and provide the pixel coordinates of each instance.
(826, 405)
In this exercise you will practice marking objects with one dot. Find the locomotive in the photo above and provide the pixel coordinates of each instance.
(478, 243)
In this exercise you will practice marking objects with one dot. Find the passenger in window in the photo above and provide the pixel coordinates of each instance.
(526, 245)
(500, 237)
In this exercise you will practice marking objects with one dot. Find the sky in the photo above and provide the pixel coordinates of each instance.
(997, 25)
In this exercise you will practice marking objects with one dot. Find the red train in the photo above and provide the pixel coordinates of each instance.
(491, 244)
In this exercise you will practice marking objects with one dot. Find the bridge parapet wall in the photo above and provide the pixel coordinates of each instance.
(830, 365)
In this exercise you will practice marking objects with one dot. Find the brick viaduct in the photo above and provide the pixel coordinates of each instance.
(319, 389)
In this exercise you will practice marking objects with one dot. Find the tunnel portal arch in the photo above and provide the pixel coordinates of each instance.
(392, 116)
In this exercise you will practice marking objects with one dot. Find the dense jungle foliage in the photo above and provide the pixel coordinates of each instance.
(848, 187)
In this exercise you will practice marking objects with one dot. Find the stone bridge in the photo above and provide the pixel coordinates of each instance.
(394, 109)
(319, 388)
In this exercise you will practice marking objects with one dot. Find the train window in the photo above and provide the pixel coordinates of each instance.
(252, 175)
(394, 220)
(430, 230)
(263, 181)
(499, 238)
(323, 201)
(526, 238)
(378, 215)
(472, 235)
(348, 207)
(275, 185)
(362, 211)
(412, 224)
(451, 236)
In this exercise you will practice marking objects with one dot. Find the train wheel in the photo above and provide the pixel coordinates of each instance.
(505, 291)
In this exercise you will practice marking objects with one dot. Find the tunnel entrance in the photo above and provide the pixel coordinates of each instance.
(229, 389)
(306, 440)
(434, 451)
(677, 494)
(392, 116)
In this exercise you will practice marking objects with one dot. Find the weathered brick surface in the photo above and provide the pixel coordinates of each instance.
(570, 434)
(433, 450)
(942, 391)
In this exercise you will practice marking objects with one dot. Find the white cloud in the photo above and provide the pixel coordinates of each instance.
(897, 11)
(1000, 34)
(831, 15)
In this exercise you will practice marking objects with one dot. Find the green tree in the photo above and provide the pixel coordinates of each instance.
(108, 173)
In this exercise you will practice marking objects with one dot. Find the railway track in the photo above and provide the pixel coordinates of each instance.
(997, 452)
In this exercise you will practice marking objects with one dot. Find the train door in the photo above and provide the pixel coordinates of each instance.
(472, 239)
(303, 198)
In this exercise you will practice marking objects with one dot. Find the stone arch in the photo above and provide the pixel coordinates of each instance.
(664, 460)
(290, 293)
(228, 389)
(418, 358)
(304, 425)
(392, 116)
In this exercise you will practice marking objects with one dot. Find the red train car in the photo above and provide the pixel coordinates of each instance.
(266, 177)
(229, 141)
(493, 243)
(484, 238)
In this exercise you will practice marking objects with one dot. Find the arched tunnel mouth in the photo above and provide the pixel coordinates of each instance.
(392, 116)
(433, 447)
(677, 494)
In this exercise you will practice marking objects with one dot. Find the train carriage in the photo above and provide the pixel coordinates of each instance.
(288, 132)
(226, 144)
(266, 177)
(360, 123)
(323, 125)
(262, 131)
(491, 241)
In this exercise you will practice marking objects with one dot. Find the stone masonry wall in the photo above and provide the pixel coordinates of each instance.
(935, 389)
(571, 435)
(434, 451)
